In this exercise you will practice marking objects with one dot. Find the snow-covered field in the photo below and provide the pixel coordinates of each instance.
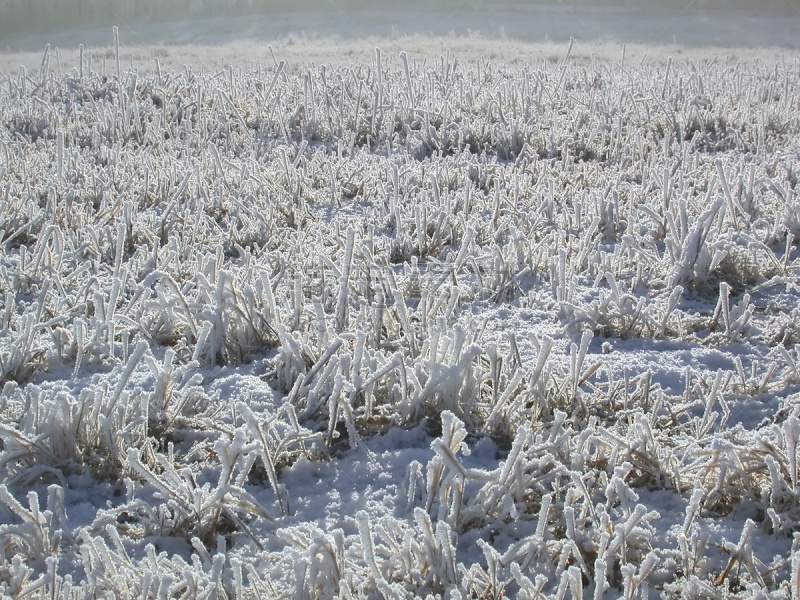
(488, 319)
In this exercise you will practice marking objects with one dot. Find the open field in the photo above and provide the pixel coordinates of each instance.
(451, 318)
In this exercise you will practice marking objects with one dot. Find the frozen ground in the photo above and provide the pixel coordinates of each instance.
(481, 318)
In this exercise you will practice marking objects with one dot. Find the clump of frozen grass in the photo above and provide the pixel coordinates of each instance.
(56, 433)
(39, 534)
(189, 509)
(110, 568)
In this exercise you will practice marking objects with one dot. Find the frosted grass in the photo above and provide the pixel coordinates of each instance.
(399, 327)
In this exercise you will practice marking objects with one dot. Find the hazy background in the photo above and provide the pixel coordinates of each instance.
(27, 25)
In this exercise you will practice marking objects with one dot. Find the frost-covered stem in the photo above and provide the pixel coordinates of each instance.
(400, 304)
(120, 250)
(333, 407)
(379, 68)
(794, 584)
(541, 525)
(600, 583)
(358, 357)
(131, 365)
(404, 59)
(564, 67)
(672, 302)
(791, 435)
(115, 30)
(367, 546)
(341, 303)
(447, 551)
(182, 299)
(577, 357)
(421, 218)
(724, 307)
(727, 191)
(373, 124)
(496, 211)
(666, 77)
(545, 346)
(377, 318)
(264, 449)
(60, 145)
(44, 67)
(298, 299)
(511, 388)
(563, 585)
